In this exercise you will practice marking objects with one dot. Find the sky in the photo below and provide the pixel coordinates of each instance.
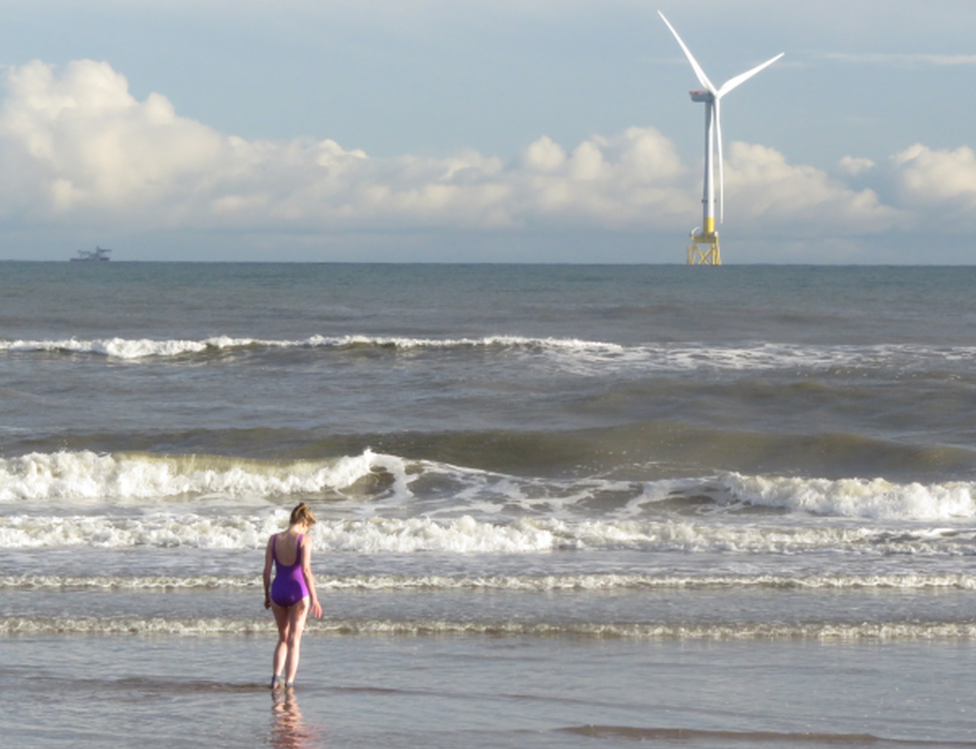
(484, 130)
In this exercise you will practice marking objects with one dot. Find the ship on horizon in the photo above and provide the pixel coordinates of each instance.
(88, 256)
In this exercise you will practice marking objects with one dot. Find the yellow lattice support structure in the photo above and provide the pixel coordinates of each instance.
(703, 249)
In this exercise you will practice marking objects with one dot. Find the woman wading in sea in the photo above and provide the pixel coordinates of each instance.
(292, 594)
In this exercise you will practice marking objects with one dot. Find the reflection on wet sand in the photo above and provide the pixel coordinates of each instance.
(289, 731)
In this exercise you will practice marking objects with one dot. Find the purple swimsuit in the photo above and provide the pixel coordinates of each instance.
(288, 587)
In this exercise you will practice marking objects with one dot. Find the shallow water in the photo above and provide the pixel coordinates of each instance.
(489, 692)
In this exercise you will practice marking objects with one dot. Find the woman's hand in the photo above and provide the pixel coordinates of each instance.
(317, 610)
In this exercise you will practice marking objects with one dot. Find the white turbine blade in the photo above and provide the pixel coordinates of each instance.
(702, 78)
(717, 113)
(731, 83)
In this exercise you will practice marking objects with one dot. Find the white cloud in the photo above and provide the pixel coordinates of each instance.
(762, 186)
(77, 148)
(905, 60)
(76, 145)
(853, 166)
(78, 141)
(940, 179)
(544, 155)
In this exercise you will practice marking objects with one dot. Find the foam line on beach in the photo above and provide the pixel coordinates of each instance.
(738, 738)
(514, 583)
(894, 631)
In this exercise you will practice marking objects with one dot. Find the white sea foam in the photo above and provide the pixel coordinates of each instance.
(116, 347)
(857, 498)
(825, 631)
(107, 582)
(132, 626)
(515, 512)
(87, 475)
(199, 627)
(144, 348)
(577, 354)
(543, 583)
(465, 535)
(161, 529)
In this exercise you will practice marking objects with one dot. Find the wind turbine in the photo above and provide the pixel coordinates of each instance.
(712, 98)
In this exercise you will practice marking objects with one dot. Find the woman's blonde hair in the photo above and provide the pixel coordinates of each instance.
(302, 514)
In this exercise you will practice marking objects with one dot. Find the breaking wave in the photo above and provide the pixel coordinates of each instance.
(122, 348)
(815, 631)
(466, 535)
(510, 583)
(377, 486)
(88, 475)
(671, 357)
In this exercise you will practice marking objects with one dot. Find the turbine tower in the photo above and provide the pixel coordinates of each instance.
(706, 237)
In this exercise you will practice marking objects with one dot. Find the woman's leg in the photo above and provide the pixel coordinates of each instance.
(283, 620)
(296, 625)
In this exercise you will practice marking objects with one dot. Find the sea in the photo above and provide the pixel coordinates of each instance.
(573, 506)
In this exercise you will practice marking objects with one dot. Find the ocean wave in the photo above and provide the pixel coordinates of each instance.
(89, 625)
(466, 535)
(894, 631)
(584, 355)
(88, 475)
(378, 485)
(170, 530)
(144, 583)
(857, 498)
(122, 348)
(578, 583)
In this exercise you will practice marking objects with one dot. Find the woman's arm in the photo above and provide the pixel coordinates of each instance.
(268, 560)
(310, 578)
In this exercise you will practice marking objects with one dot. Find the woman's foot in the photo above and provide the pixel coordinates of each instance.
(277, 682)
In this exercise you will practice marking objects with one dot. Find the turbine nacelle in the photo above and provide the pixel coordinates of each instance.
(702, 96)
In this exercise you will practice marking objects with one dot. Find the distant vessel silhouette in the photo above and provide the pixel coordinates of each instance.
(89, 256)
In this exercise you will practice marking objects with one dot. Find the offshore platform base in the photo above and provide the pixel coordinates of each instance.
(703, 249)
